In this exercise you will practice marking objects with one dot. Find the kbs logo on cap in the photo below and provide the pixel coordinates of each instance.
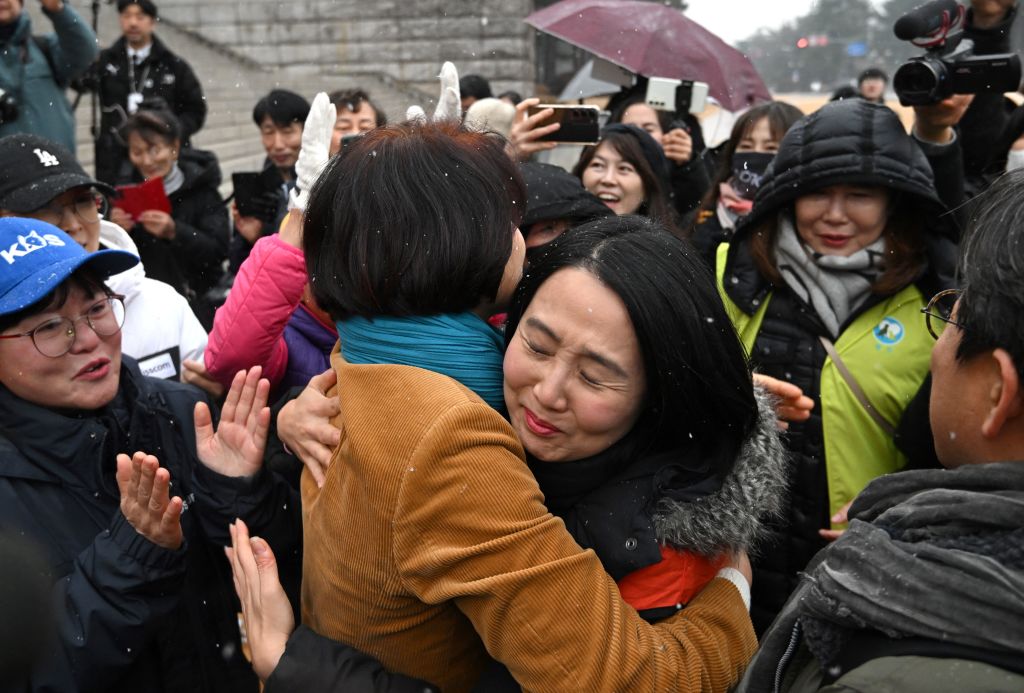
(29, 243)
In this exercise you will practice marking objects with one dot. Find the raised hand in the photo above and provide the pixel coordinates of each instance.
(146, 502)
(236, 447)
(525, 133)
(304, 425)
(678, 146)
(265, 607)
(316, 149)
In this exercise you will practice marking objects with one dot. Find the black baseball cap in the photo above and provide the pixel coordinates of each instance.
(34, 170)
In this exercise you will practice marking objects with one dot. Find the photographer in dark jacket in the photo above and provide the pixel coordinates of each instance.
(132, 545)
(137, 68)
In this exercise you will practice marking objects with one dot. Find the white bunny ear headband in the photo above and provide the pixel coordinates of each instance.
(449, 103)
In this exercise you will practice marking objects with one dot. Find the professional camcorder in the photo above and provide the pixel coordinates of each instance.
(949, 65)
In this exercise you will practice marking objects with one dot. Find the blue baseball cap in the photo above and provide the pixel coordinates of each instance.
(36, 258)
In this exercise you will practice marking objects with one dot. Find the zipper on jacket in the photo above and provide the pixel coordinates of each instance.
(780, 671)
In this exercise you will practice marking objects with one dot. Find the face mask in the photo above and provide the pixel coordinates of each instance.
(747, 171)
(1015, 159)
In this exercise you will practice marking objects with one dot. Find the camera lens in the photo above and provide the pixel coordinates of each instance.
(917, 81)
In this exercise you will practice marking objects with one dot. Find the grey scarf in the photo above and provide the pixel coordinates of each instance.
(174, 180)
(935, 554)
(832, 284)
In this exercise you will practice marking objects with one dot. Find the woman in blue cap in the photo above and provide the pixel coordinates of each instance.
(143, 594)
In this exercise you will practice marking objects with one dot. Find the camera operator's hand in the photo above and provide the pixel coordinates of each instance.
(678, 146)
(525, 132)
(986, 14)
(934, 122)
(249, 228)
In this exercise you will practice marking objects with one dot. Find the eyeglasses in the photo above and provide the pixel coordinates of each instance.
(55, 337)
(86, 207)
(941, 308)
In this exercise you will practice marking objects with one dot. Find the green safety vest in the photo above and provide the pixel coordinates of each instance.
(888, 350)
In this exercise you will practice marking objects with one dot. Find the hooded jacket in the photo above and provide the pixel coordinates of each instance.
(26, 73)
(160, 330)
(848, 142)
(192, 261)
(130, 615)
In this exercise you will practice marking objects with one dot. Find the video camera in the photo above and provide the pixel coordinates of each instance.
(949, 65)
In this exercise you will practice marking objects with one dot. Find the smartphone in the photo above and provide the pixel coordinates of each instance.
(579, 124)
(346, 140)
(678, 95)
(250, 191)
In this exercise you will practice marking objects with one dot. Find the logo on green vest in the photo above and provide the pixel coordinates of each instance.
(888, 333)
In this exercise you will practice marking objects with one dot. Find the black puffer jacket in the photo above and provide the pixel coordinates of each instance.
(846, 142)
(192, 262)
(164, 76)
(132, 616)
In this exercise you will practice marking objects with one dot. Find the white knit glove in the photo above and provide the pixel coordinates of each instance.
(316, 149)
(449, 102)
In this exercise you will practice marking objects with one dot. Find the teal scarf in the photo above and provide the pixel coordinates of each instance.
(459, 345)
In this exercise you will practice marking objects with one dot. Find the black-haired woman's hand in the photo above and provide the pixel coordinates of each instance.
(146, 502)
(235, 448)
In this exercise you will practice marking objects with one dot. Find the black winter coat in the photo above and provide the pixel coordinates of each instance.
(132, 616)
(862, 144)
(162, 75)
(193, 261)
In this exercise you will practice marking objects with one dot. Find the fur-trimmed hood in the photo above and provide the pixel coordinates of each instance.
(734, 516)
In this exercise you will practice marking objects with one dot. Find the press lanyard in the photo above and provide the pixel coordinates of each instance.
(136, 87)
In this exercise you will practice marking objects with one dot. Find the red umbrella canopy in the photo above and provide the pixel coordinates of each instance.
(653, 40)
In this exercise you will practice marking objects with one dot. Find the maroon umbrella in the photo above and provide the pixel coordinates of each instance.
(653, 40)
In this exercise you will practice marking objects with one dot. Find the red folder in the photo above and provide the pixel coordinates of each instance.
(136, 199)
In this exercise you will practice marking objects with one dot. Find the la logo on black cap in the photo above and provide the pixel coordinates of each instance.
(46, 158)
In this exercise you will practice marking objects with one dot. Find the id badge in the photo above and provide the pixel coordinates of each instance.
(134, 99)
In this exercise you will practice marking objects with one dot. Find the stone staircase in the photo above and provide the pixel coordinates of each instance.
(232, 84)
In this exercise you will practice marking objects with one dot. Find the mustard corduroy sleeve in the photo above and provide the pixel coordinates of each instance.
(470, 526)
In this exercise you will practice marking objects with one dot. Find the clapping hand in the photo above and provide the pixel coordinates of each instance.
(146, 502)
(236, 447)
(449, 101)
(268, 614)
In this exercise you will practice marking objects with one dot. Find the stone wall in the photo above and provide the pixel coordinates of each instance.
(404, 41)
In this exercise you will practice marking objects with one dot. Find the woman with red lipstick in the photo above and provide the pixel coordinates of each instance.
(428, 546)
(824, 281)
(141, 592)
